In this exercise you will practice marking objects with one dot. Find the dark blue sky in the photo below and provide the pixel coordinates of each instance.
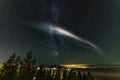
(97, 21)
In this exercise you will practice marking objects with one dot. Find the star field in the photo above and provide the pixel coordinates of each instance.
(93, 20)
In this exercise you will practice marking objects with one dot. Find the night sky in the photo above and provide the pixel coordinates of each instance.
(97, 21)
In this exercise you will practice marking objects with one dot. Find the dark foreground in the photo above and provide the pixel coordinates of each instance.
(106, 75)
(16, 68)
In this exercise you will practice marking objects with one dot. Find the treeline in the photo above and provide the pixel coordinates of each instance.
(16, 68)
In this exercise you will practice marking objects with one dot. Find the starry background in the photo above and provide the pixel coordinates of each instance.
(97, 21)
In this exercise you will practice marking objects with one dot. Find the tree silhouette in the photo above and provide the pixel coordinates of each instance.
(9, 71)
(84, 77)
(90, 77)
(65, 74)
(73, 75)
(79, 76)
(40, 75)
(57, 76)
(27, 67)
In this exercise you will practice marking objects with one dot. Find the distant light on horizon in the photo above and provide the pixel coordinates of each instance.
(1, 66)
(75, 65)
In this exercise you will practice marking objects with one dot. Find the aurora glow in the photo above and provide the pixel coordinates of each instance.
(53, 29)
